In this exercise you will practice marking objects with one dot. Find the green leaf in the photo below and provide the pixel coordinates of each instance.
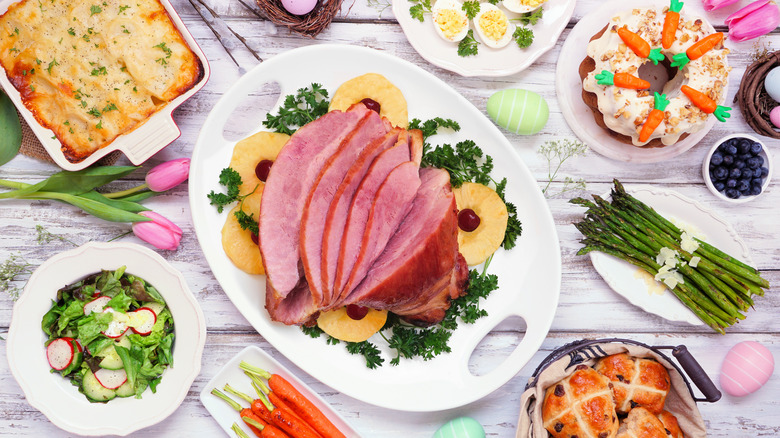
(10, 130)
(121, 204)
(139, 197)
(82, 181)
(95, 208)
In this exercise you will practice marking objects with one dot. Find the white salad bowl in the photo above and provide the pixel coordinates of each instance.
(53, 394)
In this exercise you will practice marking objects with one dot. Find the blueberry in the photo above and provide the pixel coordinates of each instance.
(743, 185)
(757, 182)
(717, 158)
(720, 173)
(728, 160)
(719, 185)
(739, 164)
(757, 173)
(752, 163)
(733, 141)
(755, 148)
(744, 145)
(733, 193)
(760, 160)
(735, 173)
(731, 183)
(755, 190)
(764, 172)
(745, 157)
(731, 150)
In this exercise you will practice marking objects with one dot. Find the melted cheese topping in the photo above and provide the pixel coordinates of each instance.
(625, 110)
(91, 71)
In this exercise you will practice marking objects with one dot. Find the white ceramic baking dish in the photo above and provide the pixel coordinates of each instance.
(138, 145)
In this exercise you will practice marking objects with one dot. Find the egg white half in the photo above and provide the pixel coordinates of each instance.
(449, 20)
(488, 10)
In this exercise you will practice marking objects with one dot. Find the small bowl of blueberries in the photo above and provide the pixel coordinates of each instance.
(737, 168)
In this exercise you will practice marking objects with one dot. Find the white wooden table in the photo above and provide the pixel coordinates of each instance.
(588, 307)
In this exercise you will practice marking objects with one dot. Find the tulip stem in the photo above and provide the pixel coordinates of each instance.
(13, 184)
(123, 193)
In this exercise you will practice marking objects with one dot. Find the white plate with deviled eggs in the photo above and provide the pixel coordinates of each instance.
(445, 24)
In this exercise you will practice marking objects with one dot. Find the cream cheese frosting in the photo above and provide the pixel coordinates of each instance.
(625, 110)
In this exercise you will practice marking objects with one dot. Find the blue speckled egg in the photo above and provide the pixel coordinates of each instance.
(520, 111)
(461, 427)
(772, 84)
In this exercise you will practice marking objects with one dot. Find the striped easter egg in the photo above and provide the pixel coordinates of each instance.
(747, 367)
(461, 427)
(520, 111)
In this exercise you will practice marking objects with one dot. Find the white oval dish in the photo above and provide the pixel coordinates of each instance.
(488, 62)
(639, 287)
(158, 131)
(231, 374)
(529, 275)
(705, 169)
(54, 395)
(579, 117)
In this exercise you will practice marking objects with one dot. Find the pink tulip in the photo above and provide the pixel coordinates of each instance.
(754, 20)
(168, 175)
(159, 231)
(711, 5)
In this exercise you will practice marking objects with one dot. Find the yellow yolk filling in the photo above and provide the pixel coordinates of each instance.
(493, 24)
(450, 22)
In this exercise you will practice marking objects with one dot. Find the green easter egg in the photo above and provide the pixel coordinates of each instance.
(461, 427)
(520, 111)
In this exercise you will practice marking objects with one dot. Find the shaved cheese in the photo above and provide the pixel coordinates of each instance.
(694, 261)
(687, 242)
(667, 256)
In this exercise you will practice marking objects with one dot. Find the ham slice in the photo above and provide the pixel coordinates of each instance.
(292, 176)
(420, 270)
(336, 217)
(359, 211)
(322, 193)
(390, 205)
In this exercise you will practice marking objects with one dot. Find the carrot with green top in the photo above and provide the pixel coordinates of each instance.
(655, 117)
(671, 22)
(260, 427)
(697, 50)
(706, 104)
(297, 402)
(622, 80)
(639, 46)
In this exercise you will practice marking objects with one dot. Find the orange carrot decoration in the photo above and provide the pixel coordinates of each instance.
(706, 104)
(671, 22)
(697, 50)
(655, 117)
(622, 80)
(639, 46)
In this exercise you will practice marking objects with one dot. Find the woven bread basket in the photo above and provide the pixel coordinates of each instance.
(562, 362)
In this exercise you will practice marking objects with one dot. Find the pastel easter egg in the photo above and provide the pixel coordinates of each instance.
(299, 7)
(520, 111)
(747, 367)
(772, 84)
(461, 427)
(774, 116)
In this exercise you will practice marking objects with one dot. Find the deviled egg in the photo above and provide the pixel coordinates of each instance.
(450, 20)
(493, 26)
(522, 6)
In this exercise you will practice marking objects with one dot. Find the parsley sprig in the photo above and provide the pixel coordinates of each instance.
(305, 106)
(468, 46)
(471, 8)
(522, 35)
(420, 8)
(231, 179)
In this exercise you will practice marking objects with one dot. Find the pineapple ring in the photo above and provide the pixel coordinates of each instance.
(476, 246)
(376, 87)
(248, 152)
(237, 242)
(339, 325)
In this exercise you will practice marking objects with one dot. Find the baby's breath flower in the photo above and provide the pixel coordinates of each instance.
(557, 152)
(13, 267)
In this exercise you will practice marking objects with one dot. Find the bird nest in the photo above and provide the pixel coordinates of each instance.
(309, 25)
(754, 102)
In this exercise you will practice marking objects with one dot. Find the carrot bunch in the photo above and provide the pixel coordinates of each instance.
(706, 104)
(655, 117)
(697, 50)
(622, 80)
(671, 22)
(258, 425)
(639, 46)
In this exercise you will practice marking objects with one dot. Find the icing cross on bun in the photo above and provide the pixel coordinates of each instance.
(580, 405)
(688, 48)
(635, 382)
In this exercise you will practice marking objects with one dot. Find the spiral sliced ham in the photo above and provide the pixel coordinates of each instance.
(292, 176)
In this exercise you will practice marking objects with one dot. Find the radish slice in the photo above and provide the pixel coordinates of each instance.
(76, 342)
(60, 353)
(142, 320)
(115, 329)
(111, 379)
(96, 305)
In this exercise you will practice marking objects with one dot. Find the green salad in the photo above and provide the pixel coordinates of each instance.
(111, 334)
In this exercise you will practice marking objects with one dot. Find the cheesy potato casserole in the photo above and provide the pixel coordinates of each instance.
(93, 70)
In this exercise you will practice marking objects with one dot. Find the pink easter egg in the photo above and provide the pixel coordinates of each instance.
(299, 7)
(747, 367)
(774, 116)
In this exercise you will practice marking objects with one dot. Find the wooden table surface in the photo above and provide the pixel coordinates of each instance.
(235, 39)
